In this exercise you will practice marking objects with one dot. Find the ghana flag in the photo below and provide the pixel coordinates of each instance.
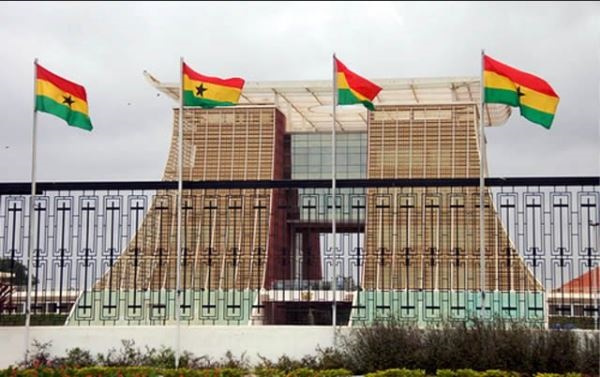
(208, 92)
(63, 98)
(353, 89)
(534, 96)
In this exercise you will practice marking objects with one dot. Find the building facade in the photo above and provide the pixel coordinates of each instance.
(264, 255)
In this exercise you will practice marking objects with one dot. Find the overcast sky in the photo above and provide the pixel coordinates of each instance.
(106, 47)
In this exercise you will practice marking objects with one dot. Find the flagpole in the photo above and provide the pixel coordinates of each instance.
(32, 236)
(333, 205)
(179, 197)
(481, 191)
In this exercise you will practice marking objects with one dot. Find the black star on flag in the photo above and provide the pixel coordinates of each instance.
(200, 90)
(68, 101)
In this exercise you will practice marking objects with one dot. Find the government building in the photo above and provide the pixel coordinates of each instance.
(257, 244)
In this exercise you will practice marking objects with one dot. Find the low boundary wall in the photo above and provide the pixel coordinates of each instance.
(213, 341)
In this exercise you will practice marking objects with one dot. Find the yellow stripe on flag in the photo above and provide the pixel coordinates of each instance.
(343, 84)
(496, 81)
(47, 89)
(539, 101)
(341, 81)
(212, 91)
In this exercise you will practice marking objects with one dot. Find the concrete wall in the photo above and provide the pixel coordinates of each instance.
(213, 341)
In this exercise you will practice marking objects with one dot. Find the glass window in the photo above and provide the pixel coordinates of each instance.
(311, 153)
(299, 159)
(354, 170)
(354, 136)
(299, 137)
(314, 169)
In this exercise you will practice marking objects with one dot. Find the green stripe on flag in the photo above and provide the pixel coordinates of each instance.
(509, 97)
(346, 97)
(536, 116)
(73, 118)
(189, 99)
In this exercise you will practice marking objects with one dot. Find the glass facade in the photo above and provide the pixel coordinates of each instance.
(311, 155)
(311, 159)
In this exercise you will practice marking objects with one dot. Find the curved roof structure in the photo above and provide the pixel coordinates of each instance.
(308, 104)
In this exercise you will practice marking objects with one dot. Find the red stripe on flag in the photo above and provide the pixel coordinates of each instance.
(234, 82)
(519, 77)
(358, 83)
(62, 84)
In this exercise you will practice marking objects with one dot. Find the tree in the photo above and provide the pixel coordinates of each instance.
(18, 270)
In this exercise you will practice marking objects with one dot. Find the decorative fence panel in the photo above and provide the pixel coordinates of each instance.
(261, 252)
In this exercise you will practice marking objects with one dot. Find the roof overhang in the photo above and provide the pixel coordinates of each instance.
(308, 104)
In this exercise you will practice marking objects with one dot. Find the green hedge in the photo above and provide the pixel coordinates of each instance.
(398, 373)
(334, 373)
(36, 319)
(157, 372)
(308, 372)
(460, 373)
(122, 372)
(268, 372)
(46, 371)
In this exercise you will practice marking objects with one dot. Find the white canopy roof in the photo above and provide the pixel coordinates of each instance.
(307, 104)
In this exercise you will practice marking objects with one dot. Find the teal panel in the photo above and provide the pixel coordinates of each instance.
(157, 307)
(426, 308)
(235, 307)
